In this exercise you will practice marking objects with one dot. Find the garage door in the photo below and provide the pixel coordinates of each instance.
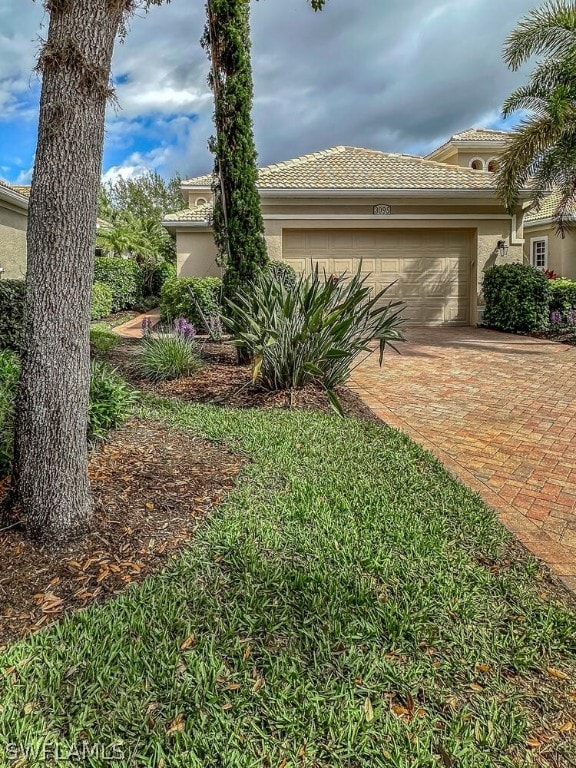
(431, 268)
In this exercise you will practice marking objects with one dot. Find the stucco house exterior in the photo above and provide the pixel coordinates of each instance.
(13, 223)
(545, 248)
(431, 225)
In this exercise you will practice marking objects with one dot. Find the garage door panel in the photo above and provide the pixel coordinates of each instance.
(430, 268)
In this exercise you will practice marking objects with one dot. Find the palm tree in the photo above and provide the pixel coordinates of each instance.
(542, 150)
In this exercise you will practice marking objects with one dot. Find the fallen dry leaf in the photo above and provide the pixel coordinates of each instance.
(557, 673)
(177, 725)
(368, 710)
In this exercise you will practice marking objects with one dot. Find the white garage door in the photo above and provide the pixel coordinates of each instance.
(431, 268)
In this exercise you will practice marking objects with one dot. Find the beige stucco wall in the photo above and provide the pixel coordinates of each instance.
(561, 251)
(196, 196)
(196, 254)
(12, 241)
(483, 218)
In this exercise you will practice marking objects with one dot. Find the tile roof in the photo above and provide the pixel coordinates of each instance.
(199, 213)
(22, 189)
(480, 134)
(546, 209)
(353, 168)
(15, 195)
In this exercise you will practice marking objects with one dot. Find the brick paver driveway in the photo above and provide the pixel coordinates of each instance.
(500, 411)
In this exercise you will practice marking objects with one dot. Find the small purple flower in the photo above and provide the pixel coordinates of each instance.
(184, 329)
(146, 326)
(571, 317)
(555, 317)
(215, 328)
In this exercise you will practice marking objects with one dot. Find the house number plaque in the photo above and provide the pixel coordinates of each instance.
(382, 210)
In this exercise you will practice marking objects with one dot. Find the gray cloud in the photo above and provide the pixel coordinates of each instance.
(388, 74)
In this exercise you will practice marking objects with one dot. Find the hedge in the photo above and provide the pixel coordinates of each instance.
(123, 276)
(12, 297)
(9, 375)
(562, 295)
(175, 299)
(517, 298)
(101, 305)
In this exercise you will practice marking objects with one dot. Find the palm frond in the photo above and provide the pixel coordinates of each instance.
(519, 161)
(550, 30)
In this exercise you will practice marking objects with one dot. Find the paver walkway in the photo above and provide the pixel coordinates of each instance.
(133, 328)
(500, 412)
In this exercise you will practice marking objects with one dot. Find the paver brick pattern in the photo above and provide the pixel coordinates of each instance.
(500, 411)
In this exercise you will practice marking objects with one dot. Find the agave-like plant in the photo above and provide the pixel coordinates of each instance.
(312, 333)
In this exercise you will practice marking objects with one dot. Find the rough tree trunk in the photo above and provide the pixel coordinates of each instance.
(51, 464)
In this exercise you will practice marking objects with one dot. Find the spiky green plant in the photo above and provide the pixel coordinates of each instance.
(314, 332)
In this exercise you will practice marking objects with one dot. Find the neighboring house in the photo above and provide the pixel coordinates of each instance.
(13, 222)
(429, 225)
(545, 248)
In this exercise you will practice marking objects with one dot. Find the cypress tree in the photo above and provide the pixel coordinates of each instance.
(237, 219)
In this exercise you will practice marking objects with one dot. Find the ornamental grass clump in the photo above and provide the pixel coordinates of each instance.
(167, 356)
(312, 333)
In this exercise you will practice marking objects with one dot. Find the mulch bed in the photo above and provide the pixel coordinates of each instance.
(221, 381)
(564, 336)
(152, 486)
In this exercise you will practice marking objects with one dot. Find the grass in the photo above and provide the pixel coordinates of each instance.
(102, 338)
(347, 605)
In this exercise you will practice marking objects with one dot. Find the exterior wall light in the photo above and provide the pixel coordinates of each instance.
(502, 247)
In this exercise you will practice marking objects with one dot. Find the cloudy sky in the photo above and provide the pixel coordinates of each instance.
(396, 75)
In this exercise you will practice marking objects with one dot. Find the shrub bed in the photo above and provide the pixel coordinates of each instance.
(12, 297)
(9, 375)
(111, 401)
(123, 277)
(101, 305)
(176, 301)
(517, 298)
(562, 295)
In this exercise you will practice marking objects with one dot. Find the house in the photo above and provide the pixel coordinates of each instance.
(545, 248)
(13, 222)
(431, 226)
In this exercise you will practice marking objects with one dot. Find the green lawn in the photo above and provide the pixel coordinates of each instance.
(339, 609)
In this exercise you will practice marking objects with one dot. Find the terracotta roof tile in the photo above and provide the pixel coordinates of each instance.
(342, 168)
(545, 211)
(198, 214)
(480, 134)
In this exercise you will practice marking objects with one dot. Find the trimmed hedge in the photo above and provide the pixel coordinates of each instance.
(154, 278)
(101, 304)
(9, 375)
(12, 298)
(562, 295)
(284, 273)
(123, 276)
(175, 300)
(516, 297)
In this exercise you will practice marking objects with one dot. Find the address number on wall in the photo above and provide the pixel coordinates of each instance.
(382, 210)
